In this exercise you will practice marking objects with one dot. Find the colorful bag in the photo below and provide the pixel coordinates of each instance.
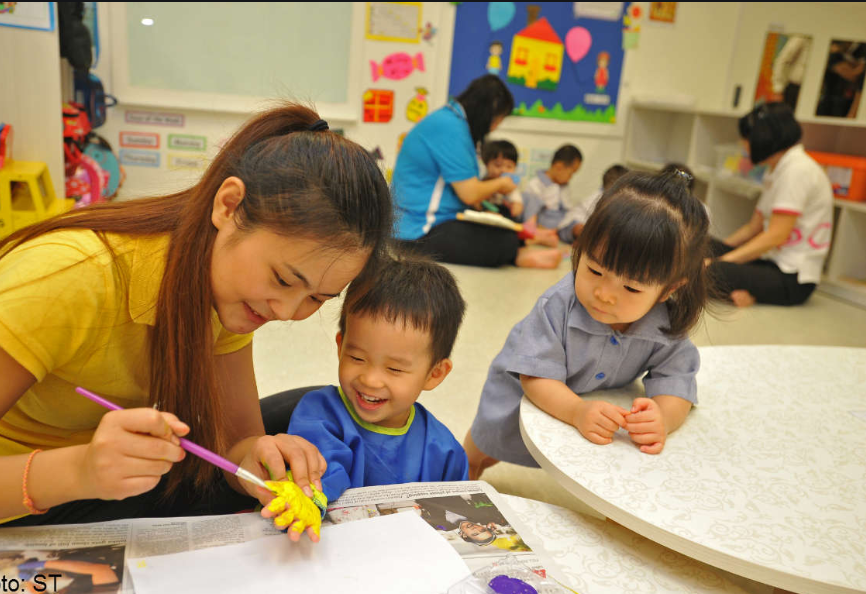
(92, 96)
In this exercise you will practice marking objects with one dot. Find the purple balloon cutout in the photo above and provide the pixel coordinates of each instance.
(577, 43)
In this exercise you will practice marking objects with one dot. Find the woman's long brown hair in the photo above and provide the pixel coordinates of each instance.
(298, 183)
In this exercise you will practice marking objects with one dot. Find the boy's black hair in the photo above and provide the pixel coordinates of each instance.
(769, 128)
(611, 174)
(679, 168)
(485, 99)
(499, 43)
(568, 154)
(493, 149)
(650, 229)
(413, 290)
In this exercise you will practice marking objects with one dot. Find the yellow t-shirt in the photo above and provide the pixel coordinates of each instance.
(73, 316)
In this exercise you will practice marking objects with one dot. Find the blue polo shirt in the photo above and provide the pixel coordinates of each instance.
(437, 152)
(559, 340)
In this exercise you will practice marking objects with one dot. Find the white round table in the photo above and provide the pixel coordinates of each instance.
(766, 478)
(598, 557)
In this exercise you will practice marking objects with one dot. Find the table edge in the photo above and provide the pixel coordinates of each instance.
(682, 545)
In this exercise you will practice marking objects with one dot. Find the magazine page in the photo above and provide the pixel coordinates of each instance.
(470, 515)
(85, 558)
(90, 558)
(78, 558)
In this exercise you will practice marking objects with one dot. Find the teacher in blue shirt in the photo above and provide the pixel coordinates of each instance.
(437, 176)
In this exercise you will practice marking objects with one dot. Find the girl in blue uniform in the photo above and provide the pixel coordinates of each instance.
(638, 285)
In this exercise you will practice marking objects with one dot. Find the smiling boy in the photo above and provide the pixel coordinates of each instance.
(395, 339)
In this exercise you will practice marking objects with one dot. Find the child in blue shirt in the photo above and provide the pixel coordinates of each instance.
(397, 329)
(500, 158)
(638, 284)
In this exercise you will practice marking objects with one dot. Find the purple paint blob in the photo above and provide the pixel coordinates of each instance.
(502, 584)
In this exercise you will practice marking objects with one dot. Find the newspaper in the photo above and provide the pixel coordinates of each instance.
(86, 558)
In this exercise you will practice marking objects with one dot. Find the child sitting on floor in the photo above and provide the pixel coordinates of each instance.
(577, 215)
(397, 329)
(500, 158)
(545, 193)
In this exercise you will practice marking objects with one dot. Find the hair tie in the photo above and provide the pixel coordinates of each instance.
(685, 176)
(320, 125)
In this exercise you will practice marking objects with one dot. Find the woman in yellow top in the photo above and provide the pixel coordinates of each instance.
(152, 304)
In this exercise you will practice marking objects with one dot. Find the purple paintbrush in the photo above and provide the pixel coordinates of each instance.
(192, 448)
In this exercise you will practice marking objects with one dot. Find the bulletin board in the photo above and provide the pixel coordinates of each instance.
(558, 61)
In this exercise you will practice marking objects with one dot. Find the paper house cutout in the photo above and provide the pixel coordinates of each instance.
(536, 57)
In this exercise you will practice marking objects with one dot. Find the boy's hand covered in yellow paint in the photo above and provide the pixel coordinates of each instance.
(291, 509)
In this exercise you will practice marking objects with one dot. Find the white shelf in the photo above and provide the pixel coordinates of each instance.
(737, 114)
(735, 184)
(704, 173)
(850, 290)
(644, 165)
(659, 133)
(851, 205)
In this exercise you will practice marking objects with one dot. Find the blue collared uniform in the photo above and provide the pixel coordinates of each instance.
(360, 454)
(546, 198)
(437, 152)
(559, 340)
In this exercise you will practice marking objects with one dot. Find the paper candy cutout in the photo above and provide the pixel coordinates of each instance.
(397, 66)
(417, 107)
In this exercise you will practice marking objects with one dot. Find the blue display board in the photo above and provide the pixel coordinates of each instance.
(558, 63)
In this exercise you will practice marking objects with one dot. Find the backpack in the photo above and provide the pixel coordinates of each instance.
(90, 94)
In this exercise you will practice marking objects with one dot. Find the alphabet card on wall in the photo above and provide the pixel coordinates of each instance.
(558, 63)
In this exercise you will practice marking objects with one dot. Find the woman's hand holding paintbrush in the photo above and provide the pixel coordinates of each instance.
(132, 449)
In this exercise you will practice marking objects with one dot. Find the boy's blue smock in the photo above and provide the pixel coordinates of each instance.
(437, 152)
(360, 454)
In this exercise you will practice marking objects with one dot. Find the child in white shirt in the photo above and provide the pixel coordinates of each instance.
(545, 193)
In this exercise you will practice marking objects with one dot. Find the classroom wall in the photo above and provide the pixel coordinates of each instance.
(30, 97)
(711, 48)
(823, 21)
(680, 59)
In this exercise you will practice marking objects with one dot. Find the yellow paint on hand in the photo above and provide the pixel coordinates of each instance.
(300, 511)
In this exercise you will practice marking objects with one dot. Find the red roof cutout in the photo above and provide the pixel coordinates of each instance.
(542, 31)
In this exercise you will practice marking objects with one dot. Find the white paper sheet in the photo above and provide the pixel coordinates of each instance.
(396, 554)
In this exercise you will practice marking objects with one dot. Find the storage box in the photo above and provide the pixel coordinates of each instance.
(847, 174)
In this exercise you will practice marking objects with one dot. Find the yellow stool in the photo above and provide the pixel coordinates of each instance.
(31, 199)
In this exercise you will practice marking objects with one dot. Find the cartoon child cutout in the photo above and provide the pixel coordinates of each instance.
(601, 75)
(494, 62)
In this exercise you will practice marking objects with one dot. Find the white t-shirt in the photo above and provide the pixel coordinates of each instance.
(798, 185)
(580, 212)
